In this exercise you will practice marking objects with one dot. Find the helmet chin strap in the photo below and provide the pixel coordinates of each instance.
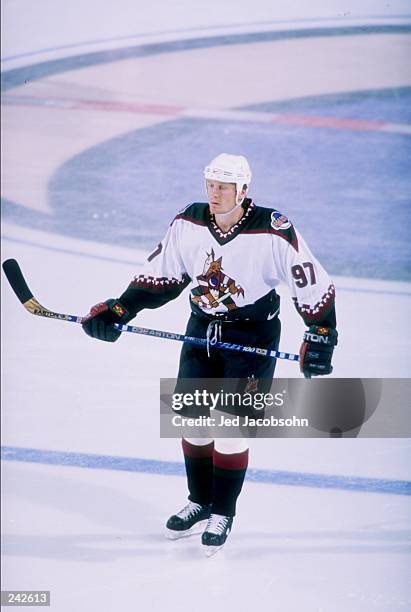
(230, 211)
(234, 207)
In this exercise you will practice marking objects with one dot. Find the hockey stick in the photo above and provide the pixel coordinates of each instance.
(18, 284)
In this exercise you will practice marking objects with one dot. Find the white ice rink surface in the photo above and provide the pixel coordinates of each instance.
(94, 536)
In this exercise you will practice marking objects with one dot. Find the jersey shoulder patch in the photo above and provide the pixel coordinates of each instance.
(272, 221)
(195, 213)
(279, 221)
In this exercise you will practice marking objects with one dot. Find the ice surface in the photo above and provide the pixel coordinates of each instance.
(94, 537)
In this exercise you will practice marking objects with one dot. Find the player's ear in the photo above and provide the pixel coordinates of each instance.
(243, 193)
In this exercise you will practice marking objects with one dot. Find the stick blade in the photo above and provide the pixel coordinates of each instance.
(16, 279)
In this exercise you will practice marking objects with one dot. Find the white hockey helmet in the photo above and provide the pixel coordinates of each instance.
(227, 168)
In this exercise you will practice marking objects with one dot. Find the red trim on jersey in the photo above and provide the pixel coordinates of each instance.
(157, 284)
(293, 242)
(190, 219)
(234, 461)
(315, 314)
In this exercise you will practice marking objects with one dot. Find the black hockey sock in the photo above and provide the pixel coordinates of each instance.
(199, 470)
(229, 474)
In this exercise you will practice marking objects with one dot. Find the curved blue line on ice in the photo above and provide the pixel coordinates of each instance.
(15, 77)
(173, 468)
(81, 45)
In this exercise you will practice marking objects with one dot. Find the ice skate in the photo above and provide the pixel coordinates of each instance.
(215, 534)
(190, 520)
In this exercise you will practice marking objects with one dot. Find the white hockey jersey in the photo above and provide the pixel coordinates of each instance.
(234, 274)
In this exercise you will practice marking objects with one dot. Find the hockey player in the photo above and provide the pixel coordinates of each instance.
(233, 254)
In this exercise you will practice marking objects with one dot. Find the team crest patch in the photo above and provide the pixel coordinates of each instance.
(279, 221)
(215, 290)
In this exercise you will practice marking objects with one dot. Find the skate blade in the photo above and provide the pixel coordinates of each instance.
(210, 551)
(199, 527)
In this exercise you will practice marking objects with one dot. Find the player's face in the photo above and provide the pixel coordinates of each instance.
(221, 196)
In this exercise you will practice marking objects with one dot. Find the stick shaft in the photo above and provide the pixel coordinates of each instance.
(157, 333)
(19, 286)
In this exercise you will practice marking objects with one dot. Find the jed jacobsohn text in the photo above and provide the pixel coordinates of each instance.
(224, 421)
(212, 401)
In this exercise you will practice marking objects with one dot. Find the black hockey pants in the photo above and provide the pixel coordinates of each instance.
(196, 362)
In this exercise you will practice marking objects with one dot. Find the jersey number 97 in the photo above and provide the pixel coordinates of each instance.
(300, 276)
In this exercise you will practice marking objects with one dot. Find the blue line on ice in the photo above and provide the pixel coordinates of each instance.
(173, 468)
(224, 26)
(18, 76)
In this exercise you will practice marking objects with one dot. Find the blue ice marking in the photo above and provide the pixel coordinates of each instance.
(173, 468)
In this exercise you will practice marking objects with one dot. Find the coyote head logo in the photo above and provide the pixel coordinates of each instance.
(215, 288)
(212, 265)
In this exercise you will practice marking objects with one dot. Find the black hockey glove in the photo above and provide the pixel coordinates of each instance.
(99, 322)
(317, 350)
